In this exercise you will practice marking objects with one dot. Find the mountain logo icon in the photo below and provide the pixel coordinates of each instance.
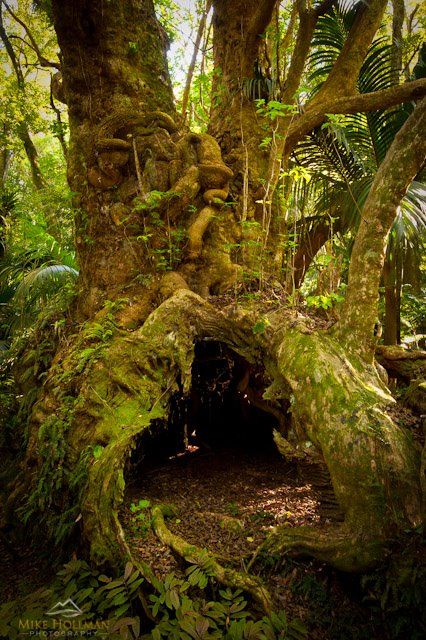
(67, 609)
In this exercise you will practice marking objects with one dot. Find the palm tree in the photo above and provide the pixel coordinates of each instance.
(342, 158)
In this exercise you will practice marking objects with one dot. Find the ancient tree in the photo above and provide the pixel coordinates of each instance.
(159, 212)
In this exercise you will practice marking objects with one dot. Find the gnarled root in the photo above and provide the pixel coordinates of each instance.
(343, 548)
(197, 230)
(192, 553)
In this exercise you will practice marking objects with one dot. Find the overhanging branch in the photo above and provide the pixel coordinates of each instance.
(344, 74)
(363, 102)
(43, 62)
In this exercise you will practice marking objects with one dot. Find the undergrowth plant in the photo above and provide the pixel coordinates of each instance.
(179, 608)
(140, 518)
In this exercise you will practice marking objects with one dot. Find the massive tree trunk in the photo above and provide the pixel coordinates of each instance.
(237, 40)
(118, 92)
(141, 186)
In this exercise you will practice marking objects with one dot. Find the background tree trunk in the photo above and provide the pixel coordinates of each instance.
(403, 161)
(23, 131)
(391, 311)
(237, 39)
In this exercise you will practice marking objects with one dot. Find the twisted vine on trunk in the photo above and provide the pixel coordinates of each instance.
(155, 238)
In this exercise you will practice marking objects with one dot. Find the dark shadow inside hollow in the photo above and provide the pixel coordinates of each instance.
(224, 411)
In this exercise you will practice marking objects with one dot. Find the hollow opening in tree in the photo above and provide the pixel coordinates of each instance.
(224, 412)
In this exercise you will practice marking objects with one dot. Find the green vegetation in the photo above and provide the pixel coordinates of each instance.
(265, 197)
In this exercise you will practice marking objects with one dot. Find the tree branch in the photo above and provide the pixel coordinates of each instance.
(403, 161)
(397, 26)
(262, 16)
(43, 62)
(307, 23)
(60, 130)
(200, 32)
(288, 35)
(11, 53)
(363, 102)
(344, 74)
(23, 131)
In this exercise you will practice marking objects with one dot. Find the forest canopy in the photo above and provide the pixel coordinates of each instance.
(212, 223)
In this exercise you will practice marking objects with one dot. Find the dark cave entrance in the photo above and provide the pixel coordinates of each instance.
(223, 412)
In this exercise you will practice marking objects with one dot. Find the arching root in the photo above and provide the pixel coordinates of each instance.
(224, 575)
(338, 545)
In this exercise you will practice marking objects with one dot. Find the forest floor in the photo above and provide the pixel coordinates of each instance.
(22, 568)
(22, 571)
(226, 502)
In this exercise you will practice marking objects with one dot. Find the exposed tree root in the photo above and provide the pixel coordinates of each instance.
(197, 230)
(192, 553)
(343, 548)
(341, 404)
(402, 364)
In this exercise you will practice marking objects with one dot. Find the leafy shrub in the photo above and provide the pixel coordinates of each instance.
(178, 608)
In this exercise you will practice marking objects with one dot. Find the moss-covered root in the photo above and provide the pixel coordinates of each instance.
(192, 553)
(128, 389)
(343, 548)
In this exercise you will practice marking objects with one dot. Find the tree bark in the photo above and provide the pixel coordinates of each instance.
(237, 31)
(339, 400)
(403, 161)
(398, 16)
(5, 155)
(136, 176)
(390, 320)
(114, 83)
(363, 102)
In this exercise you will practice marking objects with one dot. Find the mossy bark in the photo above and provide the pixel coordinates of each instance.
(374, 465)
(129, 164)
(115, 82)
(403, 161)
(337, 399)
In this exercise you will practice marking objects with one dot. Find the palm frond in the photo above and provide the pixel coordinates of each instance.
(34, 291)
(329, 153)
(43, 282)
(409, 227)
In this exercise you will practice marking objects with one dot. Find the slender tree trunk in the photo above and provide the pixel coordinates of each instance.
(23, 131)
(191, 68)
(390, 321)
(399, 272)
(412, 271)
(397, 25)
(5, 155)
(403, 161)
(32, 156)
